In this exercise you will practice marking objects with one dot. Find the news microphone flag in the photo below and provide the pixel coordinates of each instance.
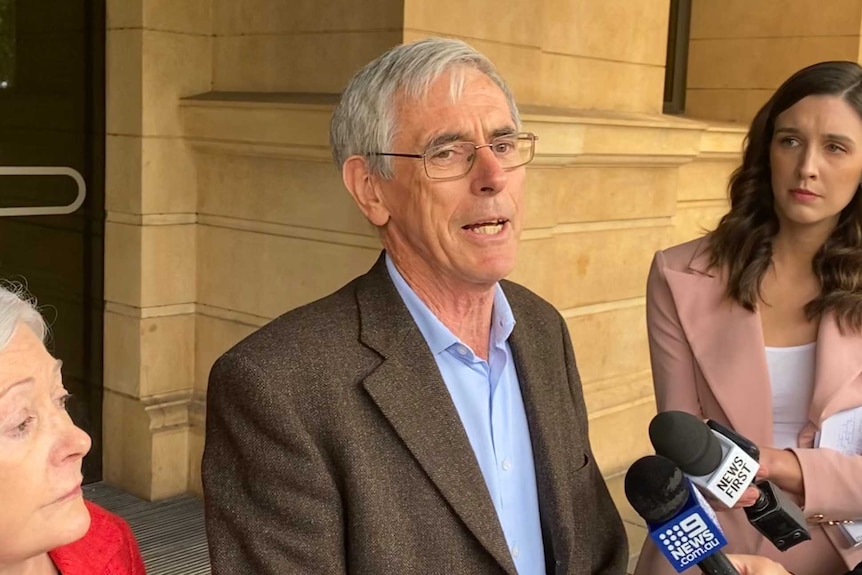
(708, 458)
(680, 522)
(691, 536)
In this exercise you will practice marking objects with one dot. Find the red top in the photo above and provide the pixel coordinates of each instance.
(108, 548)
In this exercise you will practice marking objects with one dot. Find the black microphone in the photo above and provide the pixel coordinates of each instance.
(681, 524)
(724, 463)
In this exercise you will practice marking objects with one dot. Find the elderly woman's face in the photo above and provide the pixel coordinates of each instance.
(41, 452)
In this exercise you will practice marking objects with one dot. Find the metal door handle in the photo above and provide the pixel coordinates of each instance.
(45, 171)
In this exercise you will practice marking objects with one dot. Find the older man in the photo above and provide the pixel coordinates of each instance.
(427, 417)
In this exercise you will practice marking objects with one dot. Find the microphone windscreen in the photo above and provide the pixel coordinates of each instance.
(656, 488)
(687, 441)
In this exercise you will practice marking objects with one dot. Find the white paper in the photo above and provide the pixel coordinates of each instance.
(853, 533)
(843, 432)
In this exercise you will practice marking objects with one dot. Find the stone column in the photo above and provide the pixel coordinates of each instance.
(158, 51)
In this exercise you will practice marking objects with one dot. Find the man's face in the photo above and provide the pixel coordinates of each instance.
(456, 234)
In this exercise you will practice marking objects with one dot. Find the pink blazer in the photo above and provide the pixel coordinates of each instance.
(708, 358)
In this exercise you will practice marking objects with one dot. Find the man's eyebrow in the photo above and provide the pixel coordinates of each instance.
(29, 380)
(58, 365)
(449, 137)
(503, 132)
(445, 138)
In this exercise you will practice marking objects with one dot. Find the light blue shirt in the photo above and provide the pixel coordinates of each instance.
(487, 396)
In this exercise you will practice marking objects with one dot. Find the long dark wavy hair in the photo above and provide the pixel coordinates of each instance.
(741, 245)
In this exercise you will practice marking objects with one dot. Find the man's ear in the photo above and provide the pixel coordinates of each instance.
(365, 189)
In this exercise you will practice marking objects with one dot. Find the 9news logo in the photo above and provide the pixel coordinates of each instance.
(689, 540)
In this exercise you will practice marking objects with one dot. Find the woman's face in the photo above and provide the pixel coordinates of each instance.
(816, 160)
(41, 451)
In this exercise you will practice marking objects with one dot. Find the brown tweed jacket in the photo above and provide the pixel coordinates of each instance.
(332, 446)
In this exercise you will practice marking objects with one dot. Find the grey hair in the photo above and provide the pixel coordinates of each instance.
(16, 307)
(364, 120)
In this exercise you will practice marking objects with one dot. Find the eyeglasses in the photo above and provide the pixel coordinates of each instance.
(455, 159)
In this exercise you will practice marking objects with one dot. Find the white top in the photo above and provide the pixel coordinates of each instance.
(791, 375)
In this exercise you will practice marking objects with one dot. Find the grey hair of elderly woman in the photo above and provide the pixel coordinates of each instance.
(16, 308)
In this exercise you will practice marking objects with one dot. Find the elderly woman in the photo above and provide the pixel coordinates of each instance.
(46, 526)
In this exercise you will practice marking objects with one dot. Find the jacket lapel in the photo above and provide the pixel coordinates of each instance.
(540, 386)
(838, 364)
(727, 343)
(409, 390)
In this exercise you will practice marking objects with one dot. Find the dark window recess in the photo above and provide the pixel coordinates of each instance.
(676, 64)
(52, 116)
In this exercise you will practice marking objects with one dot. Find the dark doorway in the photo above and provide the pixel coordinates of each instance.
(52, 134)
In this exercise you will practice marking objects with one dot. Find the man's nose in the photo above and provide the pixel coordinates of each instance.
(490, 175)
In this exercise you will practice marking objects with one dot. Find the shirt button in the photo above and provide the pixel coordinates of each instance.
(507, 465)
(515, 552)
(461, 350)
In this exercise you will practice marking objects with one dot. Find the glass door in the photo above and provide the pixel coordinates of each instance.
(52, 164)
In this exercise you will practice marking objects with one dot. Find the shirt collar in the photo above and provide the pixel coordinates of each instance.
(437, 335)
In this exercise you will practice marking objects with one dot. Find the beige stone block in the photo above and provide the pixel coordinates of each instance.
(196, 451)
(616, 487)
(213, 337)
(174, 66)
(517, 64)
(731, 63)
(265, 275)
(578, 28)
(281, 128)
(738, 105)
(603, 394)
(774, 18)
(318, 62)
(597, 193)
(123, 181)
(519, 23)
(123, 78)
(543, 189)
(610, 344)
(307, 194)
(127, 444)
(167, 354)
(187, 16)
(124, 14)
(167, 265)
(695, 220)
(634, 525)
(238, 17)
(589, 267)
(151, 356)
(644, 146)
(169, 179)
(123, 264)
(705, 179)
(618, 437)
(635, 535)
(122, 354)
(170, 462)
(578, 82)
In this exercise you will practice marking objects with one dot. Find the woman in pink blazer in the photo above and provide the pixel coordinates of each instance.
(758, 325)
